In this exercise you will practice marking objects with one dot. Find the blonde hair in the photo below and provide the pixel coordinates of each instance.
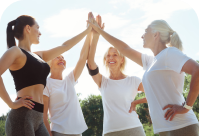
(167, 34)
(122, 67)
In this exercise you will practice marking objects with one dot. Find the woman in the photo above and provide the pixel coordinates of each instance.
(164, 77)
(60, 97)
(118, 91)
(29, 71)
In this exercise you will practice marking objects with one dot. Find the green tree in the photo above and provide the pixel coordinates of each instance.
(93, 113)
(143, 111)
(2, 125)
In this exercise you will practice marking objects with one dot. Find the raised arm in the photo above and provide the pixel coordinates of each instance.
(11, 58)
(84, 53)
(91, 63)
(52, 53)
(120, 45)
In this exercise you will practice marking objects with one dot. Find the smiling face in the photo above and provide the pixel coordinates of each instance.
(35, 33)
(113, 59)
(58, 63)
(148, 38)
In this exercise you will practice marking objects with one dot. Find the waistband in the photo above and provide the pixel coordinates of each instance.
(37, 107)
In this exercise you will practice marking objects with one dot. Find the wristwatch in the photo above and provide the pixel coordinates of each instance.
(186, 106)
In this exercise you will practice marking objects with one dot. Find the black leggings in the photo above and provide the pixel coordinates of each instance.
(26, 122)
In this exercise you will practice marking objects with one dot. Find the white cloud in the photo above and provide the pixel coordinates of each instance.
(197, 54)
(153, 10)
(113, 21)
(70, 22)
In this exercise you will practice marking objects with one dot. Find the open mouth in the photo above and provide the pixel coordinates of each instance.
(112, 62)
(61, 63)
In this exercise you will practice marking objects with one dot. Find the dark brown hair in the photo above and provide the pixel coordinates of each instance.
(17, 32)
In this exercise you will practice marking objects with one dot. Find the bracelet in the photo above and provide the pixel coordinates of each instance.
(92, 72)
(186, 106)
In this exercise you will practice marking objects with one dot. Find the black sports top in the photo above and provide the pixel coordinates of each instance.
(33, 72)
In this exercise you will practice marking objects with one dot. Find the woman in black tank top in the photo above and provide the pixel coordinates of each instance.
(29, 71)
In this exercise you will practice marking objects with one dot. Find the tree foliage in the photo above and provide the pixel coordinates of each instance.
(93, 113)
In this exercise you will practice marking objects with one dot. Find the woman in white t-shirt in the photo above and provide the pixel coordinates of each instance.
(164, 78)
(118, 92)
(60, 97)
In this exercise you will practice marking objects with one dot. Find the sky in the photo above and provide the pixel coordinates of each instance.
(61, 20)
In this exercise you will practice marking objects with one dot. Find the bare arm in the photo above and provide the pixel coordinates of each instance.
(91, 63)
(120, 45)
(10, 57)
(83, 57)
(45, 114)
(52, 53)
(140, 101)
(191, 67)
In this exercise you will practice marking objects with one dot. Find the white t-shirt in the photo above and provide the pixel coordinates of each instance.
(163, 83)
(117, 96)
(65, 112)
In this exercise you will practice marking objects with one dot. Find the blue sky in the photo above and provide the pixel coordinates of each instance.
(60, 20)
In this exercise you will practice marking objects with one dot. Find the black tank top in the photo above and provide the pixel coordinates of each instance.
(33, 72)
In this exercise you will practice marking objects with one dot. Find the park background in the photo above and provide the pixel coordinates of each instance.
(60, 20)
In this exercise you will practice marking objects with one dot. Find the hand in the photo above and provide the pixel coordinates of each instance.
(90, 18)
(133, 107)
(22, 102)
(99, 23)
(95, 24)
(174, 109)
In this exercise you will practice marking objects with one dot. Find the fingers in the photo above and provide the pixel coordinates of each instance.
(172, 116)
(28, 105)
(131, 109)
(168, 106)
(100, 20)
(97, 20)
(168, 113)
(103, 26)
(30, 102)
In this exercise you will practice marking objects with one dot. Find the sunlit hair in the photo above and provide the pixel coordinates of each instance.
(122, 67)
(167, 34)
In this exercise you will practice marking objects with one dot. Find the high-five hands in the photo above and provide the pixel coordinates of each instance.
(96, 24)
(90, 19)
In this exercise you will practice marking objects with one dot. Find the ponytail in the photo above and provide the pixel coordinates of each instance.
(10, 34)
(19, 25)
(167, 35)
(175, 41)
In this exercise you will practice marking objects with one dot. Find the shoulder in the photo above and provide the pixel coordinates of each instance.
(15, 50)
(174, 50)
(134, 78)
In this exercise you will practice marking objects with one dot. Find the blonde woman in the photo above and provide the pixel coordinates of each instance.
(164, 78)
(118, 92)
(60, 97)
